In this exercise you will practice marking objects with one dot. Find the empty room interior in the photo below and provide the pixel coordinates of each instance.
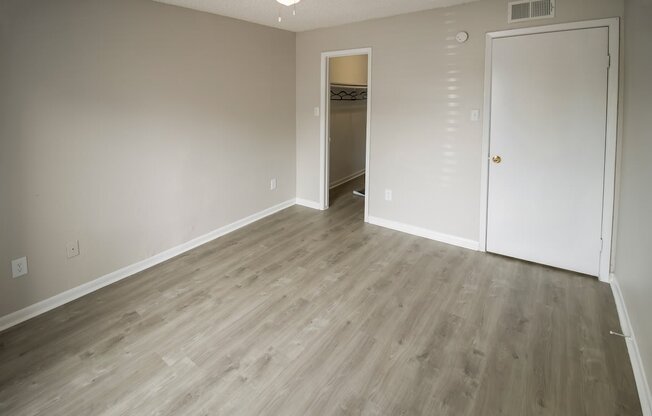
(326, 207)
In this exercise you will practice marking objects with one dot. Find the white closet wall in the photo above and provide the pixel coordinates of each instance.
(348, 136)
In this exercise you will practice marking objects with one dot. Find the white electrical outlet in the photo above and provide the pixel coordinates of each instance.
(19, 267)
(316, 111)
(475, 115)
(72, 249)
(272, 184)
(388, 194)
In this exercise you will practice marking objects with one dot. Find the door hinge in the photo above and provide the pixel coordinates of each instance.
(608, 60)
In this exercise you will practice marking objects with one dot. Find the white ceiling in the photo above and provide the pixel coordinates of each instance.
(311, 14)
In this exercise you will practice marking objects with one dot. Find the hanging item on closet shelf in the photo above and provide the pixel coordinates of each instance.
(348, 92)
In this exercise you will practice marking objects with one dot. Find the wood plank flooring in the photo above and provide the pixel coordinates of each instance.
(316, 313)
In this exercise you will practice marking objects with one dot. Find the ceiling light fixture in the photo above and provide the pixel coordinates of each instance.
(288, 3)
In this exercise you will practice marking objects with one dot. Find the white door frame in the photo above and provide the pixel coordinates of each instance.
(324, 114)
(613, 24)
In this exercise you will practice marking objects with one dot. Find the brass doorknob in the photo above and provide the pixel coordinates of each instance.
(497, 159)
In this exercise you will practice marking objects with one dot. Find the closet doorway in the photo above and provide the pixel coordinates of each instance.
(345, 120)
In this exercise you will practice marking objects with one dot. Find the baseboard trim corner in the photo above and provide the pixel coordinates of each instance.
(642, 385)
(55, 301)
(426, 233)
(308, 203)
(347, 178)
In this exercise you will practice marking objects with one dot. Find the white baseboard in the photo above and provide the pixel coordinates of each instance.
(423, 232)
(346, 179)
(43, 306)
(308, 203)
(644, 393)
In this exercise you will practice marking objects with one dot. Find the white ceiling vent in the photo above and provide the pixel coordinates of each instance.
(523, 10)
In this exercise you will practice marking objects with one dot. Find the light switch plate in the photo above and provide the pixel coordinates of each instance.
(475, 115)
(316, 111)
(72, 248)
(388, 194)
(272, 184)
(19, 267)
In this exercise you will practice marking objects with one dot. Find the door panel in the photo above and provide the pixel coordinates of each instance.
(548, 120)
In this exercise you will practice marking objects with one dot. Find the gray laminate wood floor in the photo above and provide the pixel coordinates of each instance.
(316, 313)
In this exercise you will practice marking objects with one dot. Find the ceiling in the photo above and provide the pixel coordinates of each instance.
(311, 14)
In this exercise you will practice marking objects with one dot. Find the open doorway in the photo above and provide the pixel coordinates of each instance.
(345, 128)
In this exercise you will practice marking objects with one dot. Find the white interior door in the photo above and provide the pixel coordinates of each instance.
(548, 121)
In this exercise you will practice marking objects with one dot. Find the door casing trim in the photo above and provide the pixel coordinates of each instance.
(324, 154)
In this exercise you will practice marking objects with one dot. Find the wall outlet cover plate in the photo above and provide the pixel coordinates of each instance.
(19, 267)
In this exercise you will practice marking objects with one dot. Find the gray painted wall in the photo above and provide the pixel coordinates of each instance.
(633, 265)
(133, 127)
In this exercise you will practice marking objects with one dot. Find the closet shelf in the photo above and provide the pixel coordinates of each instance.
(348, 92)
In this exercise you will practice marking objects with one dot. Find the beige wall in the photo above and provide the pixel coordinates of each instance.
(424, 84)
(633, 265)
(132, 126)
(348, 70)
